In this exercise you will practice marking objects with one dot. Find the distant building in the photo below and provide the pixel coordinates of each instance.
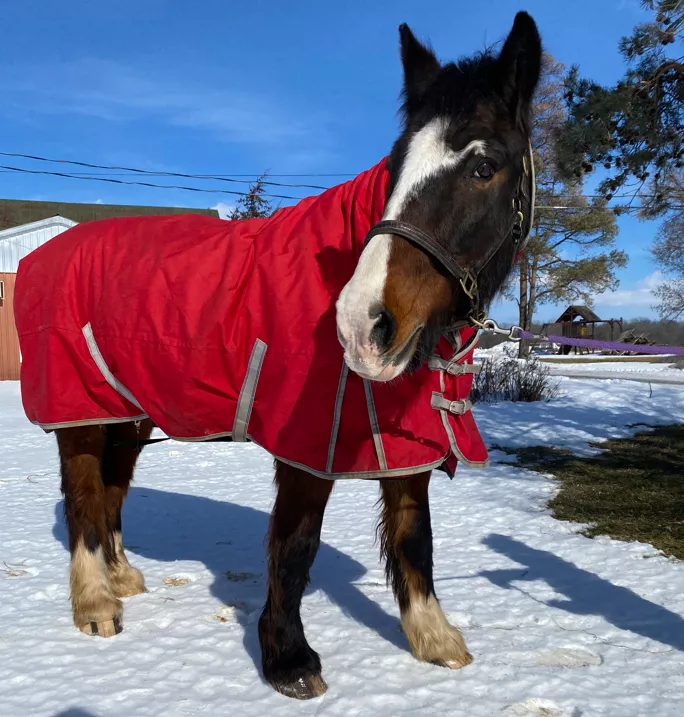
(24, 226)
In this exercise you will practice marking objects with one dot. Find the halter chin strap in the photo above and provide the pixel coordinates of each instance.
(468, 276)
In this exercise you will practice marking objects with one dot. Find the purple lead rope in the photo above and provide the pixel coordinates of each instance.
(610, 345)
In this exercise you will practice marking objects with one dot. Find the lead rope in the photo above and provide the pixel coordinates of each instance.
(516, 333)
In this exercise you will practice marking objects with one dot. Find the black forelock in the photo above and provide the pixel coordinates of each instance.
(457, 87)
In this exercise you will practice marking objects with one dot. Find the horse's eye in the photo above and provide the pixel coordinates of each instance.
(485, 170)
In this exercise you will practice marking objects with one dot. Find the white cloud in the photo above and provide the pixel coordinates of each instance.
(113, 91)
(640, 295)
(223, 209)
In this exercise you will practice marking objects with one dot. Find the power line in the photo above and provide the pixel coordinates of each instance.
(127, 171)
(216, 177)
(315, 174)
(124, 171)
(163, 174)
(142, 184)
(253, 176)
(608, 209)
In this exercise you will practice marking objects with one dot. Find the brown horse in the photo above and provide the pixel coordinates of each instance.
(455, 172)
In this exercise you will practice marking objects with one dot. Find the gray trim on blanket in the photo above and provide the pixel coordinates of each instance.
(104, 369)
(471, 343)
(458, 407)
(47, 427)
(208, 437)
(375, 427)
(336, 416)
(437, 363)
(366, 475)
(247, 392)
(454, 445)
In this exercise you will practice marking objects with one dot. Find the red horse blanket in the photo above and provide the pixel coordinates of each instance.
(217, 328)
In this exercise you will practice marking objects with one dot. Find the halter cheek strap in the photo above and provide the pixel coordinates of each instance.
(528, 160)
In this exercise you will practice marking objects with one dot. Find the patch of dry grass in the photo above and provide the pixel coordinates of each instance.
(632, 490)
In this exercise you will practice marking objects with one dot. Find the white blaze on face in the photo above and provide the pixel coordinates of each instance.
(428, 154)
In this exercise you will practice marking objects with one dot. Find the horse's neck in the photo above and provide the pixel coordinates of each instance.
(361, 201)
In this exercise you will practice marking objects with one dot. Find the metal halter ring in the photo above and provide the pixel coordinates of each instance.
(517, 230)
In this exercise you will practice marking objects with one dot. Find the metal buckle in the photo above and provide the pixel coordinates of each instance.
(458, 408)
(468, 284)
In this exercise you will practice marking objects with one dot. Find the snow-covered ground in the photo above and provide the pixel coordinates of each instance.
(559, 625)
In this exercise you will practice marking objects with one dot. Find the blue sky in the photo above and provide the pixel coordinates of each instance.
(236, 88)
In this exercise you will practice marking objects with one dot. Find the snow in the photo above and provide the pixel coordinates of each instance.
(559, 625)
(626, 370)
(597, 367)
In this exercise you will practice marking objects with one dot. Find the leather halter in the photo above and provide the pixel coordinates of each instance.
(468, 276)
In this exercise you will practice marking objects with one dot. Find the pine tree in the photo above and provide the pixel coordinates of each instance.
(668, 251)
(634, 130)
(254, 205)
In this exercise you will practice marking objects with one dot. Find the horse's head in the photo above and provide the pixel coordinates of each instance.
(459, 203)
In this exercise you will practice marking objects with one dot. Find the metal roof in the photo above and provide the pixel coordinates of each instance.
(16, 212)
(577, 311)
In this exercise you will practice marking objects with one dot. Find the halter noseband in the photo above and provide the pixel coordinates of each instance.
(468, 276)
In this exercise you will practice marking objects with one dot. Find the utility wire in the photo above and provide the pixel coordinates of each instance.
(218, 178)
(124, 171)
(127, 171)
(253, 176)
(142, 184)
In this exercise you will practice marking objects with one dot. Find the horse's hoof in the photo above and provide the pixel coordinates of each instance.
(104, 628)
(305, 688)
(455, 664)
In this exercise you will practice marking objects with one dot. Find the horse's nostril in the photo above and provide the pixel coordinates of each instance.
(384, 329)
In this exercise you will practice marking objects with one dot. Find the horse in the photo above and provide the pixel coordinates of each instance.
(454, 200)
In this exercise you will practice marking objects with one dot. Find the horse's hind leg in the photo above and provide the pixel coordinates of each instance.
(118, 463)
(406, 543)
(290, 665)
(96, 610)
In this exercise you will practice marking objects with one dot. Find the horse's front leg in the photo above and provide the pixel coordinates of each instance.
(406, 544)
(290, 665)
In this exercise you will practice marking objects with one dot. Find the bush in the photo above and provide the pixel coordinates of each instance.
(510, 379)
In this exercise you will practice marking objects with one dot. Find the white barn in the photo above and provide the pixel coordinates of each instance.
(17, 242)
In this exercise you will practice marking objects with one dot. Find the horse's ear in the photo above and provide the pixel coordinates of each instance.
(520, 62)
(420, 65)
